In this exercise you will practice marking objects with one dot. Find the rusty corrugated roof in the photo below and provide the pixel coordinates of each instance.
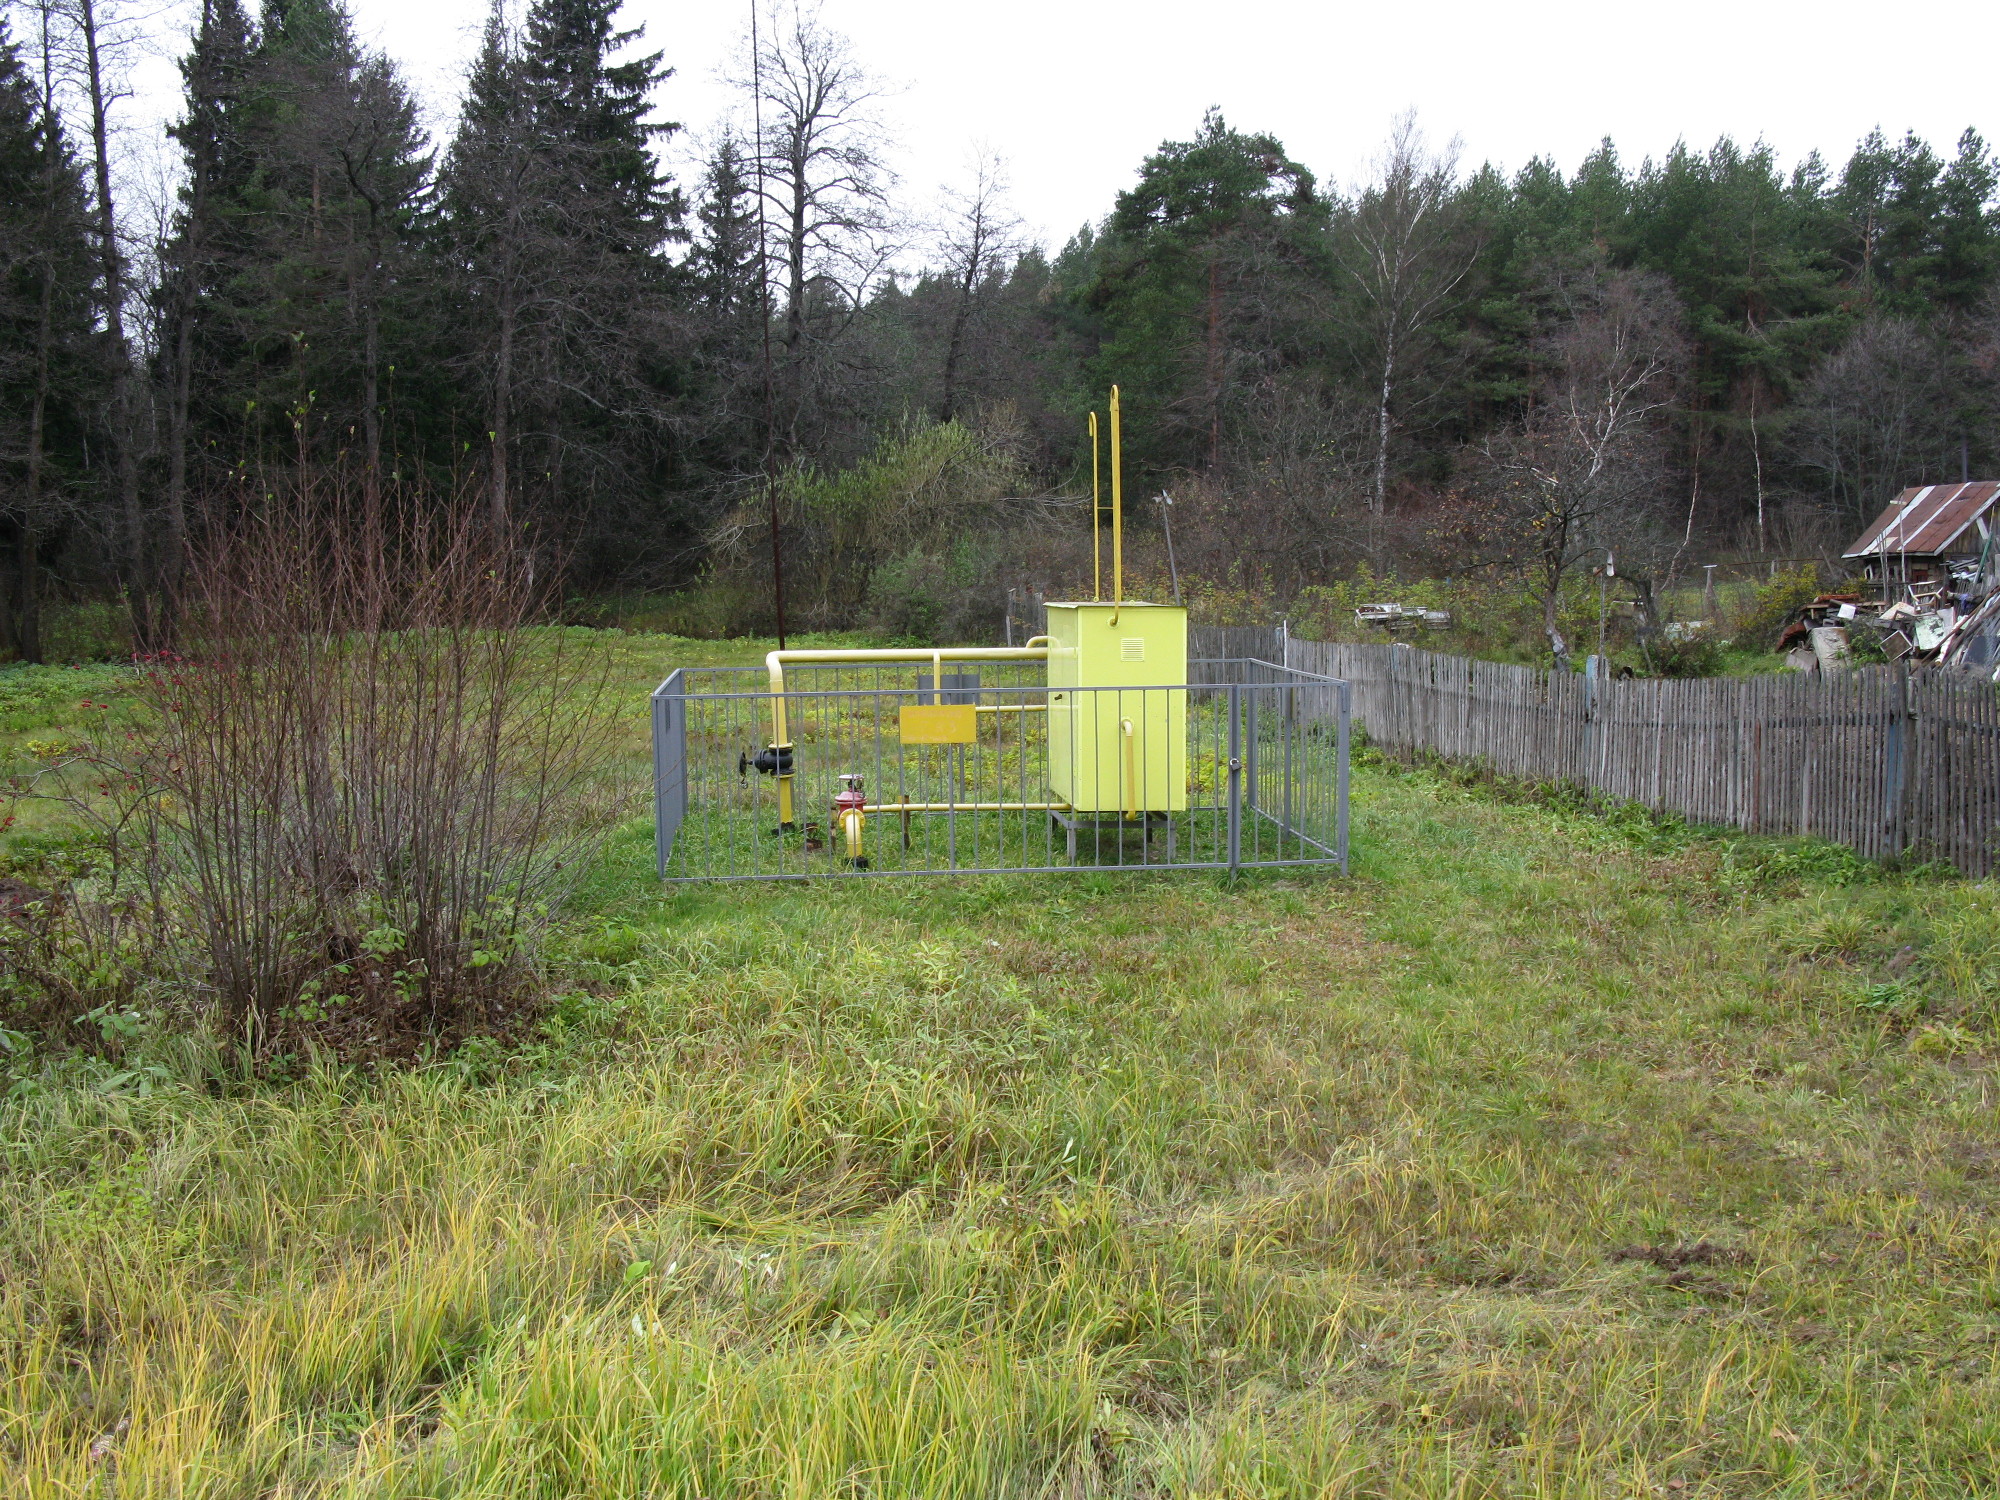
(1927, 519)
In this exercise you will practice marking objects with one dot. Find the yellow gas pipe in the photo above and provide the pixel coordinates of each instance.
(1117, 514)
(774, 664)
(1131, 773)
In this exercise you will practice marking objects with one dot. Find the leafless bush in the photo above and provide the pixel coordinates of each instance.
(357, 791)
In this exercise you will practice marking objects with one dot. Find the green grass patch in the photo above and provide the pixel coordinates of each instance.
(1543, 1156)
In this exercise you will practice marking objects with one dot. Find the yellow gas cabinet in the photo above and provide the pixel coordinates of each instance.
(1118, 751)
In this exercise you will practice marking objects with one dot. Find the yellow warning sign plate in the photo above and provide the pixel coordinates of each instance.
(940, 724)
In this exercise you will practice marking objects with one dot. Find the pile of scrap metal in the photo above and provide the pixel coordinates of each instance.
(1973, 641)
(1929, 624)
(1815, 636)
(1933, 562)
(1395, 617)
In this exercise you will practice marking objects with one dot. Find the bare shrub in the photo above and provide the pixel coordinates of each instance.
(357, 792)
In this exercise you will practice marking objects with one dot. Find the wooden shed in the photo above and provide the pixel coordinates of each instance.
(1934, 537)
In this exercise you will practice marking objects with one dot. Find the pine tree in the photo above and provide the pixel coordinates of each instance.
(1965, 264)
(1198, 283)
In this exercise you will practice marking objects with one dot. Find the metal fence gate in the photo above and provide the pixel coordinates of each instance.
(1244, 767)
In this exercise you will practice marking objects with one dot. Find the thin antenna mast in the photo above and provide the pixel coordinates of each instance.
(764, 318)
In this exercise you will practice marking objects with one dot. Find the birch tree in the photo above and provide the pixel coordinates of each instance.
(1406, 247)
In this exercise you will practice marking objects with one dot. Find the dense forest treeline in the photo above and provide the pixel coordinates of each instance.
(1441, 368)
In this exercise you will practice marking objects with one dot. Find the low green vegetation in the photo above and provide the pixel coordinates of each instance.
(1550, 1154)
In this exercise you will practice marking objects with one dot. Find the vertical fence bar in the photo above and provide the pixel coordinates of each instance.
(1346, 697)
(1235, 778)
(670, 792)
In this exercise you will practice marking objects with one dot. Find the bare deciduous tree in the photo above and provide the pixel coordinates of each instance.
(1585, 465)
(819, 151)
(101, 39)
(980, 240)
(1878, 415)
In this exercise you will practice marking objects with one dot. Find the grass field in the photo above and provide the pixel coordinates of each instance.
(1547, 1155)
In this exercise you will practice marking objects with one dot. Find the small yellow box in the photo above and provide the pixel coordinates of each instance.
(940, 724)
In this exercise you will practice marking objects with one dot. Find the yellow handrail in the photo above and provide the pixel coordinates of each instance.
(938, 807)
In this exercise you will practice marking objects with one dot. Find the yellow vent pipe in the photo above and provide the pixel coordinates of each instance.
(1096, 520)
(1117, 514)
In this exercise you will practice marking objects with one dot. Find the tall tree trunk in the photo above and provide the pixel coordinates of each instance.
(1214, 364)
(371, 414)
(124, 413)
(1757, 460)
(26, 626)
(500, 434)
(955, 344)
(1378, 498)
(1551, 622)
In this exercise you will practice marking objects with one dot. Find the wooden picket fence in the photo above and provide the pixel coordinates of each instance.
(1883, 760)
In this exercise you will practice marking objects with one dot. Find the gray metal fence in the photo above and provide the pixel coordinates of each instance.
(1245, 766)
(1885, 760)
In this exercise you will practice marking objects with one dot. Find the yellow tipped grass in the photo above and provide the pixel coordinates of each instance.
(1524, 1163)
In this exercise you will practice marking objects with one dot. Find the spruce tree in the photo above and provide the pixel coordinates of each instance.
(53, 380)
(591, 112)
(201, 353)
(322, 214)
(559, 213)
(725, 259)
(490, 189)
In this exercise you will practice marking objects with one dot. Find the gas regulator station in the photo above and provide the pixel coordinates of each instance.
(1098, 744)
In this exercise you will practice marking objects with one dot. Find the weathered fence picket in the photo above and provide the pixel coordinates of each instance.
(1883, 760)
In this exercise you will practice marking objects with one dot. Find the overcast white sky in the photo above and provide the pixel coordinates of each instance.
(1074, 95)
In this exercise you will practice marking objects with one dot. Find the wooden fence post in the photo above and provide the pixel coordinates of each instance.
(1896, 762)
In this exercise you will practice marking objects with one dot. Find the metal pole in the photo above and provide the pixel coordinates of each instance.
(764, 307)
(1096, 516)
(1117, 513)
(1340, 793)
(1604, 596)
(1235, 778)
